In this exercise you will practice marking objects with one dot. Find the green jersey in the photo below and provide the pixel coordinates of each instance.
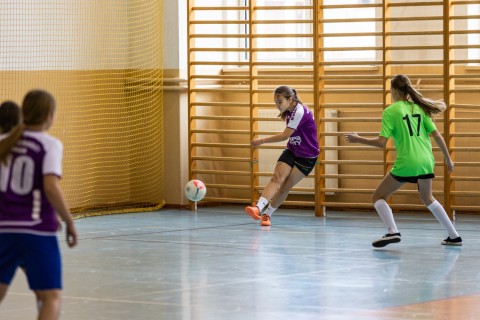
(410, 127)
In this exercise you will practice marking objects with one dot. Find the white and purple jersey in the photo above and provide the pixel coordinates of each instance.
(24, 207)
(303, 142)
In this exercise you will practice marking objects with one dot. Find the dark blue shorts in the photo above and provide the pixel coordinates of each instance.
(305, 165)
(39, 256)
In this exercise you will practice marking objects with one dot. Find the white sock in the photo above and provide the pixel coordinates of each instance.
(270, 210)
(439, 212)
(262, 203)
(385, 213)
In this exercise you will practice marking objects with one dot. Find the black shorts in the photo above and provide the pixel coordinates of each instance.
(305, 165)
(413, 179)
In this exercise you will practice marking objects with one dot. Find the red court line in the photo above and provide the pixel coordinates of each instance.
(457, 308)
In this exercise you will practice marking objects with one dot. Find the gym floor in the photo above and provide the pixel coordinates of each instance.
(219, 264)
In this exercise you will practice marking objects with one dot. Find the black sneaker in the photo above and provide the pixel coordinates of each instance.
(452, 242)
(387, 239)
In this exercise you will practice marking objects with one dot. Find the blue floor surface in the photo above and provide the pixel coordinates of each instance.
(219, 264)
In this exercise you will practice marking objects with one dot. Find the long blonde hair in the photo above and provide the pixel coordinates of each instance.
(431, 107)
(37, 106)
(288, 93)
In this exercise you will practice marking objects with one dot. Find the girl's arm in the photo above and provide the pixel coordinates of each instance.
(276, 138)
(441, 144)
(56, 199)
(379, 142)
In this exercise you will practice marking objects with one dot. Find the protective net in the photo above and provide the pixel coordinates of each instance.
(102, 60)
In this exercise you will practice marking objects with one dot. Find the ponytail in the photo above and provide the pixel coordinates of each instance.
(404, 86)
(431, 107)
(9, 142)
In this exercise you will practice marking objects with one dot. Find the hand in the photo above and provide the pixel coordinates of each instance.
(256, 143)
(60, 227)
(450, 165)
(71, 234)
(351, 137)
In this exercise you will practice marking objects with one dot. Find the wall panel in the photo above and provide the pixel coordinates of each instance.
(339, 55)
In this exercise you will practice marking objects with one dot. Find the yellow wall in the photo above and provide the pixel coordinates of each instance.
(113, 150)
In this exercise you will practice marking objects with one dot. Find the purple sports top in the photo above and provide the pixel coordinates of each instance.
(24, 208)
(303, 142)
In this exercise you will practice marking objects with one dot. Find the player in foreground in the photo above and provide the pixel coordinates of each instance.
(30, 198)
(409, 122)
(296, 161)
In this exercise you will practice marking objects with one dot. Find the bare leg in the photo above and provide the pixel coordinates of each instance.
(282, 171)
(425, 191)
(3, 291)
(293, 178)
(49, 302)
(386, 188)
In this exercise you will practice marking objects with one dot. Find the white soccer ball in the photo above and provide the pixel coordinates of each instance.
(195, 190)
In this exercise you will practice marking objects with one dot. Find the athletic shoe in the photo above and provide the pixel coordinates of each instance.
(265, 221)
(387, 239)
(253, 212)
(452, 242)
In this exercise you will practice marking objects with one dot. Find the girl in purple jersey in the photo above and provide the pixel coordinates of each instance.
(30, 198)
(296, 161)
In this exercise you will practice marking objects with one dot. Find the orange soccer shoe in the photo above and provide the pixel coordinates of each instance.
(253, 212)
(265, 221)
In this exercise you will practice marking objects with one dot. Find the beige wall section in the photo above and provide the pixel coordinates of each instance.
(176, 138)
(175, 101)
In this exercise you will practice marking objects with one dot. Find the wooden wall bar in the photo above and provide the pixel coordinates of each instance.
(340, 57)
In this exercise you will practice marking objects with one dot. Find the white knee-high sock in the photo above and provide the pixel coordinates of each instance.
(439, 212)
(262, 203)
(385, 213)
(270, 210)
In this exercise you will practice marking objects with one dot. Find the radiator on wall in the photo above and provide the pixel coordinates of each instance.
(267, 158)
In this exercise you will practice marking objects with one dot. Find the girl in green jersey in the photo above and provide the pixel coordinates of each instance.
(409, 122)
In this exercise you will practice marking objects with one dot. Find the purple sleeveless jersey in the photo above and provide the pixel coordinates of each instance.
(24, 208)
(303, 142)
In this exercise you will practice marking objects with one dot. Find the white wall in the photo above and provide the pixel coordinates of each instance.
(175, 36)
(79, 35)
(175, 101)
